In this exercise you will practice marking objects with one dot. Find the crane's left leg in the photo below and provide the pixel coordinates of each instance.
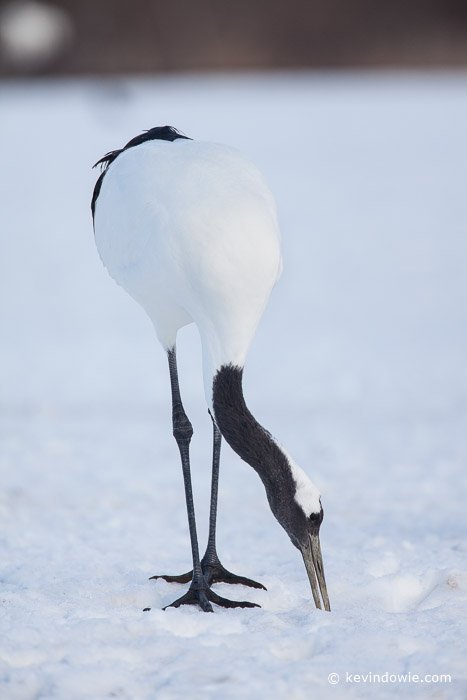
(213, 570)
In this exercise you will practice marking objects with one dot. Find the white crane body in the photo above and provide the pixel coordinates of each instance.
(189, 229)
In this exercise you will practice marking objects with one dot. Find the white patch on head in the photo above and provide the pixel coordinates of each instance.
(307, 495)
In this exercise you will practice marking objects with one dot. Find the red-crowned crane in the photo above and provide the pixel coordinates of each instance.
(189, 230)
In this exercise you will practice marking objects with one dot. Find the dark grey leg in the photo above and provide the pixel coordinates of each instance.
(199, 592)
(210, 556)
(214, 571)
(183, 432)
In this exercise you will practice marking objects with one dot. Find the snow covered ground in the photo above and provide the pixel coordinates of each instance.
(359, 368)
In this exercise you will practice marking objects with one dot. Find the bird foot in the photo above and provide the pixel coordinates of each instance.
(214, 572)
(203, 597)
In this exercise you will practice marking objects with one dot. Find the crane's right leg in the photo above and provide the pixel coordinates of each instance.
(183, 432)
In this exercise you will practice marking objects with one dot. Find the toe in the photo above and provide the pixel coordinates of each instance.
(226, 603)
(183, 578)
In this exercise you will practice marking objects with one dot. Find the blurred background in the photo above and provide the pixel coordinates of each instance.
(356, 113)
(145, 36)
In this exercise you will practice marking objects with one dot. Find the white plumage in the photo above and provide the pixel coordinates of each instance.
(190, 230)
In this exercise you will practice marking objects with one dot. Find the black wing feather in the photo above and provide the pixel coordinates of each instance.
(163, 133)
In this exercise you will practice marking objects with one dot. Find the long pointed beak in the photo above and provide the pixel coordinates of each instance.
(313, 560)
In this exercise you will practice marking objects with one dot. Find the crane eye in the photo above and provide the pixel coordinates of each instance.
(316, 518)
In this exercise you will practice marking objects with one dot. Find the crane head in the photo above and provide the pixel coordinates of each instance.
(296, 503)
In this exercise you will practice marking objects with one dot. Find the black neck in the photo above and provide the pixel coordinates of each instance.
(246, 436)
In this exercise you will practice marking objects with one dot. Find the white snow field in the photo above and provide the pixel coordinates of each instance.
(359, 368)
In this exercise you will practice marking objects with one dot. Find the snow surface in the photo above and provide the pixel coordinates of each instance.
(359, 368)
